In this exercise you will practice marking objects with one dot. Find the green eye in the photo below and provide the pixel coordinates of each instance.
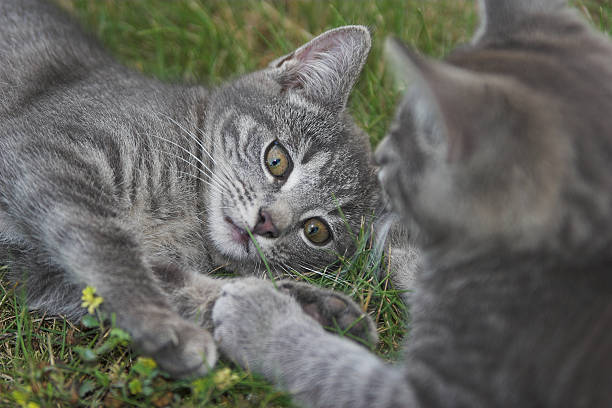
(317, 231)
(277, 160)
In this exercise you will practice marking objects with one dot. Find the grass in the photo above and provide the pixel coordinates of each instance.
(48, 362)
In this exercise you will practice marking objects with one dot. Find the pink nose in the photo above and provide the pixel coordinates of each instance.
(265, 226)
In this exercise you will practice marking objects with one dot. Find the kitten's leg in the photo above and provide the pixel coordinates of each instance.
(43, 284)
(404, 261)
(405, 264)
(194, 296)
(98, 250)
(266, 331)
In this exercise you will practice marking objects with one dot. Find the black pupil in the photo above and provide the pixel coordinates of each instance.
(313, 229)
(275, 162)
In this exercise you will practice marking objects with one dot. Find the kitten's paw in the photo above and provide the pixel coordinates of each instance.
(247, 313)
(332, 310)
(181, 348)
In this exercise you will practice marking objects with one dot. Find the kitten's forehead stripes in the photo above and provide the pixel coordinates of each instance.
(246, 126)
(250, 146)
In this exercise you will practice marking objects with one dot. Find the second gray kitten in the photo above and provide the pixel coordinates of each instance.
(133, 186)
(501, 155)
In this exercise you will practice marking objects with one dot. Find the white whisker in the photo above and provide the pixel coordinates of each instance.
(206, 151)
(211, 176)
(220, 189)
(199, 143)
(189, 153)
(202, 180)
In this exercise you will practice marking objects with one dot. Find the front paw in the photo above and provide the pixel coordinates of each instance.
(332, 310)
(247, 313)
(181, 348)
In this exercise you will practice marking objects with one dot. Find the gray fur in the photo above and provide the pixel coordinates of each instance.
(400, 242)
(501, 154)
(115, 180)
(500, 16)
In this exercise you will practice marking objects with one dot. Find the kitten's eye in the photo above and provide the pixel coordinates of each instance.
(317, 231)
(277, 160)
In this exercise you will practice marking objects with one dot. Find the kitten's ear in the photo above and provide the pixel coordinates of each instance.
(453, 106)
(404, 64)
(499, 15)
(327, 67)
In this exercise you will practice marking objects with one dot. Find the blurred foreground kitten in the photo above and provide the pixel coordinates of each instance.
(133, 186)
(502, 155)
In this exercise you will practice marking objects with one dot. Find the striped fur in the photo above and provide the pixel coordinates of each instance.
(115, 180)
(501, 155)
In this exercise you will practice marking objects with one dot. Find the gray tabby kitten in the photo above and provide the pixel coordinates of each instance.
(133, 186)
(501, 154)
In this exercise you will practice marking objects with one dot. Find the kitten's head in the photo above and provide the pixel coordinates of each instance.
(508, 140)
(289, 164)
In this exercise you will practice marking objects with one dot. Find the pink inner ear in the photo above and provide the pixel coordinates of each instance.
(287, 58)
(295, 76)
(320, 46)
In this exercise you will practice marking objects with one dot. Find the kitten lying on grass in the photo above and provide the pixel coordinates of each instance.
(501, 154)
(137, 187)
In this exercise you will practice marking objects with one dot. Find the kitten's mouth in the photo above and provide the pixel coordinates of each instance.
(239, 235)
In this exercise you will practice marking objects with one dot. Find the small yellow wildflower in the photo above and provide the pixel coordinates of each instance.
(21, 398)
(225, 379)
(135, 386)
(90, 300)
(147, 362)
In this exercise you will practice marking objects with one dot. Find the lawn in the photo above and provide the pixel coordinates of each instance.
(48, 362)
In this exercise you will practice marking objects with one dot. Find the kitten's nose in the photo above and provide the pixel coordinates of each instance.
(265, 226)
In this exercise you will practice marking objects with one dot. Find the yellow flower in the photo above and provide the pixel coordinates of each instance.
(21, 398)
(147, 362)
(225, 379)
(135, 386)
(90, 300)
